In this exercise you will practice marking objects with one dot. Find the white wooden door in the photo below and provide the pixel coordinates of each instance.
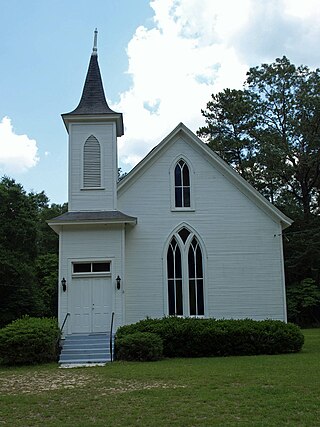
(91, 302)
(101, 304)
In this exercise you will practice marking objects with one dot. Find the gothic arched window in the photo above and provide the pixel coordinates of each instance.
(182, 185)
(185, 275)
(174, 278)
(91, 163)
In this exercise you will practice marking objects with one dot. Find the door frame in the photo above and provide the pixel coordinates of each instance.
(71, 276)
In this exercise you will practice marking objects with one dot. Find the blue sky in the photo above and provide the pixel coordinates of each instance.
(160, 61)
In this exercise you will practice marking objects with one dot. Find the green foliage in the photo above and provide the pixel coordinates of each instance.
(229, 117)
(28, 253)
(46, 267)
(18, 293)
(18, 216)
(302, 299)
(269, 132)
(139, 346)
(189, 337)
(18, 236)
(48, 240)
(29, 340)
(302, 250)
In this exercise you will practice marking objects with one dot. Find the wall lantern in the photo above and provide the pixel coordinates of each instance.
(118, 281)
(64, 284)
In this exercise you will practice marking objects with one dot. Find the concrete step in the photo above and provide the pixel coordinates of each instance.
(82, 356)
(88, 341)
(86, 351)
(83, 361)
(85, 348)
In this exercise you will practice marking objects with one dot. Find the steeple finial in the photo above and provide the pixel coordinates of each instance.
(94, 50)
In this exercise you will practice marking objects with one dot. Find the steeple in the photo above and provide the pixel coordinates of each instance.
(95, 41)
(93, 101)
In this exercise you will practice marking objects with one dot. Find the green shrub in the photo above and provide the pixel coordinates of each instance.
(139, 346)
(302, 301)
(190, 337)
(29, 340)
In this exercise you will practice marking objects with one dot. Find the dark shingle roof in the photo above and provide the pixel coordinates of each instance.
(93, 100)
(96, 216)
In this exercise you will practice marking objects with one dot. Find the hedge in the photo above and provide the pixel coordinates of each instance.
(139, 346)
(190, 337)
(29, 340)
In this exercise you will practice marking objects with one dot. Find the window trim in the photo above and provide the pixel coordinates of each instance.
(82, 186)
(91, 273)
(175, 208)
(184, 250)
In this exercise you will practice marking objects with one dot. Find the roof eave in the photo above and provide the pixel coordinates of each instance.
(56, 225)
(69, 118)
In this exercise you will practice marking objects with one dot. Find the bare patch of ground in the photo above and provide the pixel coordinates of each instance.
(122, 386)
(39, 382)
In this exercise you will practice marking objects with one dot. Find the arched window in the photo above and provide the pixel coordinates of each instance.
(185, 275)
(182, 185)
(91, 163)
(174, 278)
(195, 270)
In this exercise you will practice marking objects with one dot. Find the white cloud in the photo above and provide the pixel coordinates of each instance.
(194, 49)
(18, 153)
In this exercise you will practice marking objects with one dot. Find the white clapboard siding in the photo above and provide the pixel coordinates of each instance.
(92, 243)
(92, 166)
(241, 243)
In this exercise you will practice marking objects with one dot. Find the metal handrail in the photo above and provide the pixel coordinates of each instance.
(64, 322)
(58, 343)
(111, 329)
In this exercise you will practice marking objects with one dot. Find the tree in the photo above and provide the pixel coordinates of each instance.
(48, 240)
(28, 253)
(229, 118)
(18, 216)
(302, 299)
(46, 268)
(270, 131)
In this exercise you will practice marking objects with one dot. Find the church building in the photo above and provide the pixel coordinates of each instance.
(182, 234)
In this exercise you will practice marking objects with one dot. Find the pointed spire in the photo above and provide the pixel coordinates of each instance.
(95, 42)
(93, 100)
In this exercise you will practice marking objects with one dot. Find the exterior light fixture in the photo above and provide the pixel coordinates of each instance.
(118, 281)
(64, 284)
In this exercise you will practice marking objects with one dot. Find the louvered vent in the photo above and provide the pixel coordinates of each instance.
(92, 163)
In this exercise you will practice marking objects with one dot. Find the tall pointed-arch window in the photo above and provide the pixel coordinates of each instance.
(195, 271)
(91, 163)
(185, 275)
(182, 185)
(174, 278)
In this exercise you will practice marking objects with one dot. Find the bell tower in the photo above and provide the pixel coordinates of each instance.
(93, 129)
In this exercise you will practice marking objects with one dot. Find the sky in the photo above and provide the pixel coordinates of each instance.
(160, 62)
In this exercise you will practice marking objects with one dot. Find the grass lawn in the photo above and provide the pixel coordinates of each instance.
(268, 391)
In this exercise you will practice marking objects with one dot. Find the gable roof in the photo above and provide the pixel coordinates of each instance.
(227, 171)
(93, 101)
